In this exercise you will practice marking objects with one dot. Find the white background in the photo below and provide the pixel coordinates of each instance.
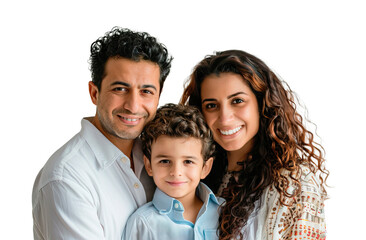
(318, 47)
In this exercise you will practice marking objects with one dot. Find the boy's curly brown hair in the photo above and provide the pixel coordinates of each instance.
(178, 121)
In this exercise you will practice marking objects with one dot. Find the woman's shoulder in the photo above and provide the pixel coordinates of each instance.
(309, 181)
(303, 212)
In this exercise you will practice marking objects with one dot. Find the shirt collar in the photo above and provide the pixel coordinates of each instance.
(105, 152)
(138, 157)
(165, 204)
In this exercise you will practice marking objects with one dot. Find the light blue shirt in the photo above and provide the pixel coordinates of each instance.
(162, 219)
(87, 190)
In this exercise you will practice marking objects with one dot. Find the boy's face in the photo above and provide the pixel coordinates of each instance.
(177, 166)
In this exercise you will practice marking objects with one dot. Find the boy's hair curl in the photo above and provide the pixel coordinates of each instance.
(181, 122)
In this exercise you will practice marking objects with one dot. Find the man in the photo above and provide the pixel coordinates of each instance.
(90, 186)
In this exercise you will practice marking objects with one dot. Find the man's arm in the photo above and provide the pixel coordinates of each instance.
(65, 210)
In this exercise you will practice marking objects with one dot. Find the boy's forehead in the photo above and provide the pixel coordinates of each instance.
(177, 146)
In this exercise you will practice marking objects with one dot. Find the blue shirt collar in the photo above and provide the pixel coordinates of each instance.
(165, 204)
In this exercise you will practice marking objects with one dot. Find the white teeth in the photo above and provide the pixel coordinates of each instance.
(131, 119)
(230, 132)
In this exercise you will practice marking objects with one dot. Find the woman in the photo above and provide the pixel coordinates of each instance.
(268, 167)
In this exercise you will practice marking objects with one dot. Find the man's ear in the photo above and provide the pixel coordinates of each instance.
(207, 168)
(94, 92)
(148, 166)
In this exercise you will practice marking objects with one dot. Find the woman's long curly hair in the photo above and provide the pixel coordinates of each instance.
(282, 141)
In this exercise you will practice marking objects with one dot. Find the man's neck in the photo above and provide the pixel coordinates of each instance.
(122, 144)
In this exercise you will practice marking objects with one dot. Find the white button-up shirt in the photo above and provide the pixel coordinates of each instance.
(87, 190)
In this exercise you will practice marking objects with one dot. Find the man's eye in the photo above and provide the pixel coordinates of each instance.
(119, 89)
(147, 91)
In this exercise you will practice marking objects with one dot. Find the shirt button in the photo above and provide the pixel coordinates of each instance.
(124, 159)
(136, 185)
(176, 205)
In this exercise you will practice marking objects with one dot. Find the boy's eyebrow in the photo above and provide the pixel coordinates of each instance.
(162, 156)
(168, 156)
(128, 85)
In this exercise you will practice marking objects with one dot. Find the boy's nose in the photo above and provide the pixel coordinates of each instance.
(176, 170)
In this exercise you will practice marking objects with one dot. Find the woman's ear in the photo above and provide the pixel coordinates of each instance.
(148, 166)
(207, 168)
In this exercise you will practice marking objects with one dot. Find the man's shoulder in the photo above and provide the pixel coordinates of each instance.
(69, 156)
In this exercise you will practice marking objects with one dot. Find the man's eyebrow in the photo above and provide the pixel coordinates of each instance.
(129, 85)
(120, 83)
(149, 86)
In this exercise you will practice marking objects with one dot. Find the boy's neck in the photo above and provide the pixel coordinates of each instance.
(191, 208)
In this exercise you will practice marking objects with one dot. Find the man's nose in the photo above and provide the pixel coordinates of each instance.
(132, 102)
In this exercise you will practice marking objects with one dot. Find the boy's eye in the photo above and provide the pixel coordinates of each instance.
(164, 161)
(188, 161)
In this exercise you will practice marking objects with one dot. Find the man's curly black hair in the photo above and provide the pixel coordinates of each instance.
(122, 42)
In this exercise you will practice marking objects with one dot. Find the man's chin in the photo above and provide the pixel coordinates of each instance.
(127, 135)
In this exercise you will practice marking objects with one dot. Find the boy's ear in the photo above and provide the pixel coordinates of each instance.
(93, 91)
(147, 166)
(207, 168)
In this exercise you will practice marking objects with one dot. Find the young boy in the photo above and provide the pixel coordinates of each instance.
(178, 150)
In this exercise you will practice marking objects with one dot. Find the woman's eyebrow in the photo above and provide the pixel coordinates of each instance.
(228, 97)
(208, 100)
(236, 94)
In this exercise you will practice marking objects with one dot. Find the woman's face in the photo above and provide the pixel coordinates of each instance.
(230, 109)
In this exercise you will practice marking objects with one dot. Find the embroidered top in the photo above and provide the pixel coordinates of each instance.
(303, 218)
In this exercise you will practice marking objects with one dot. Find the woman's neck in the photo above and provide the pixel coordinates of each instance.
(240, 155)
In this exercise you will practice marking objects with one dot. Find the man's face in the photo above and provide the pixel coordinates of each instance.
(128, 97)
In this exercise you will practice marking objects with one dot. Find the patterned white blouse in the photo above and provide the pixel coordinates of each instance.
(303, 218)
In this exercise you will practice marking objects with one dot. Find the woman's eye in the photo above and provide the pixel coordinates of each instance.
(238, 100)
(210, 105)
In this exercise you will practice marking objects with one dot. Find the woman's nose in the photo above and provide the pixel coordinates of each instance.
(225, 114)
